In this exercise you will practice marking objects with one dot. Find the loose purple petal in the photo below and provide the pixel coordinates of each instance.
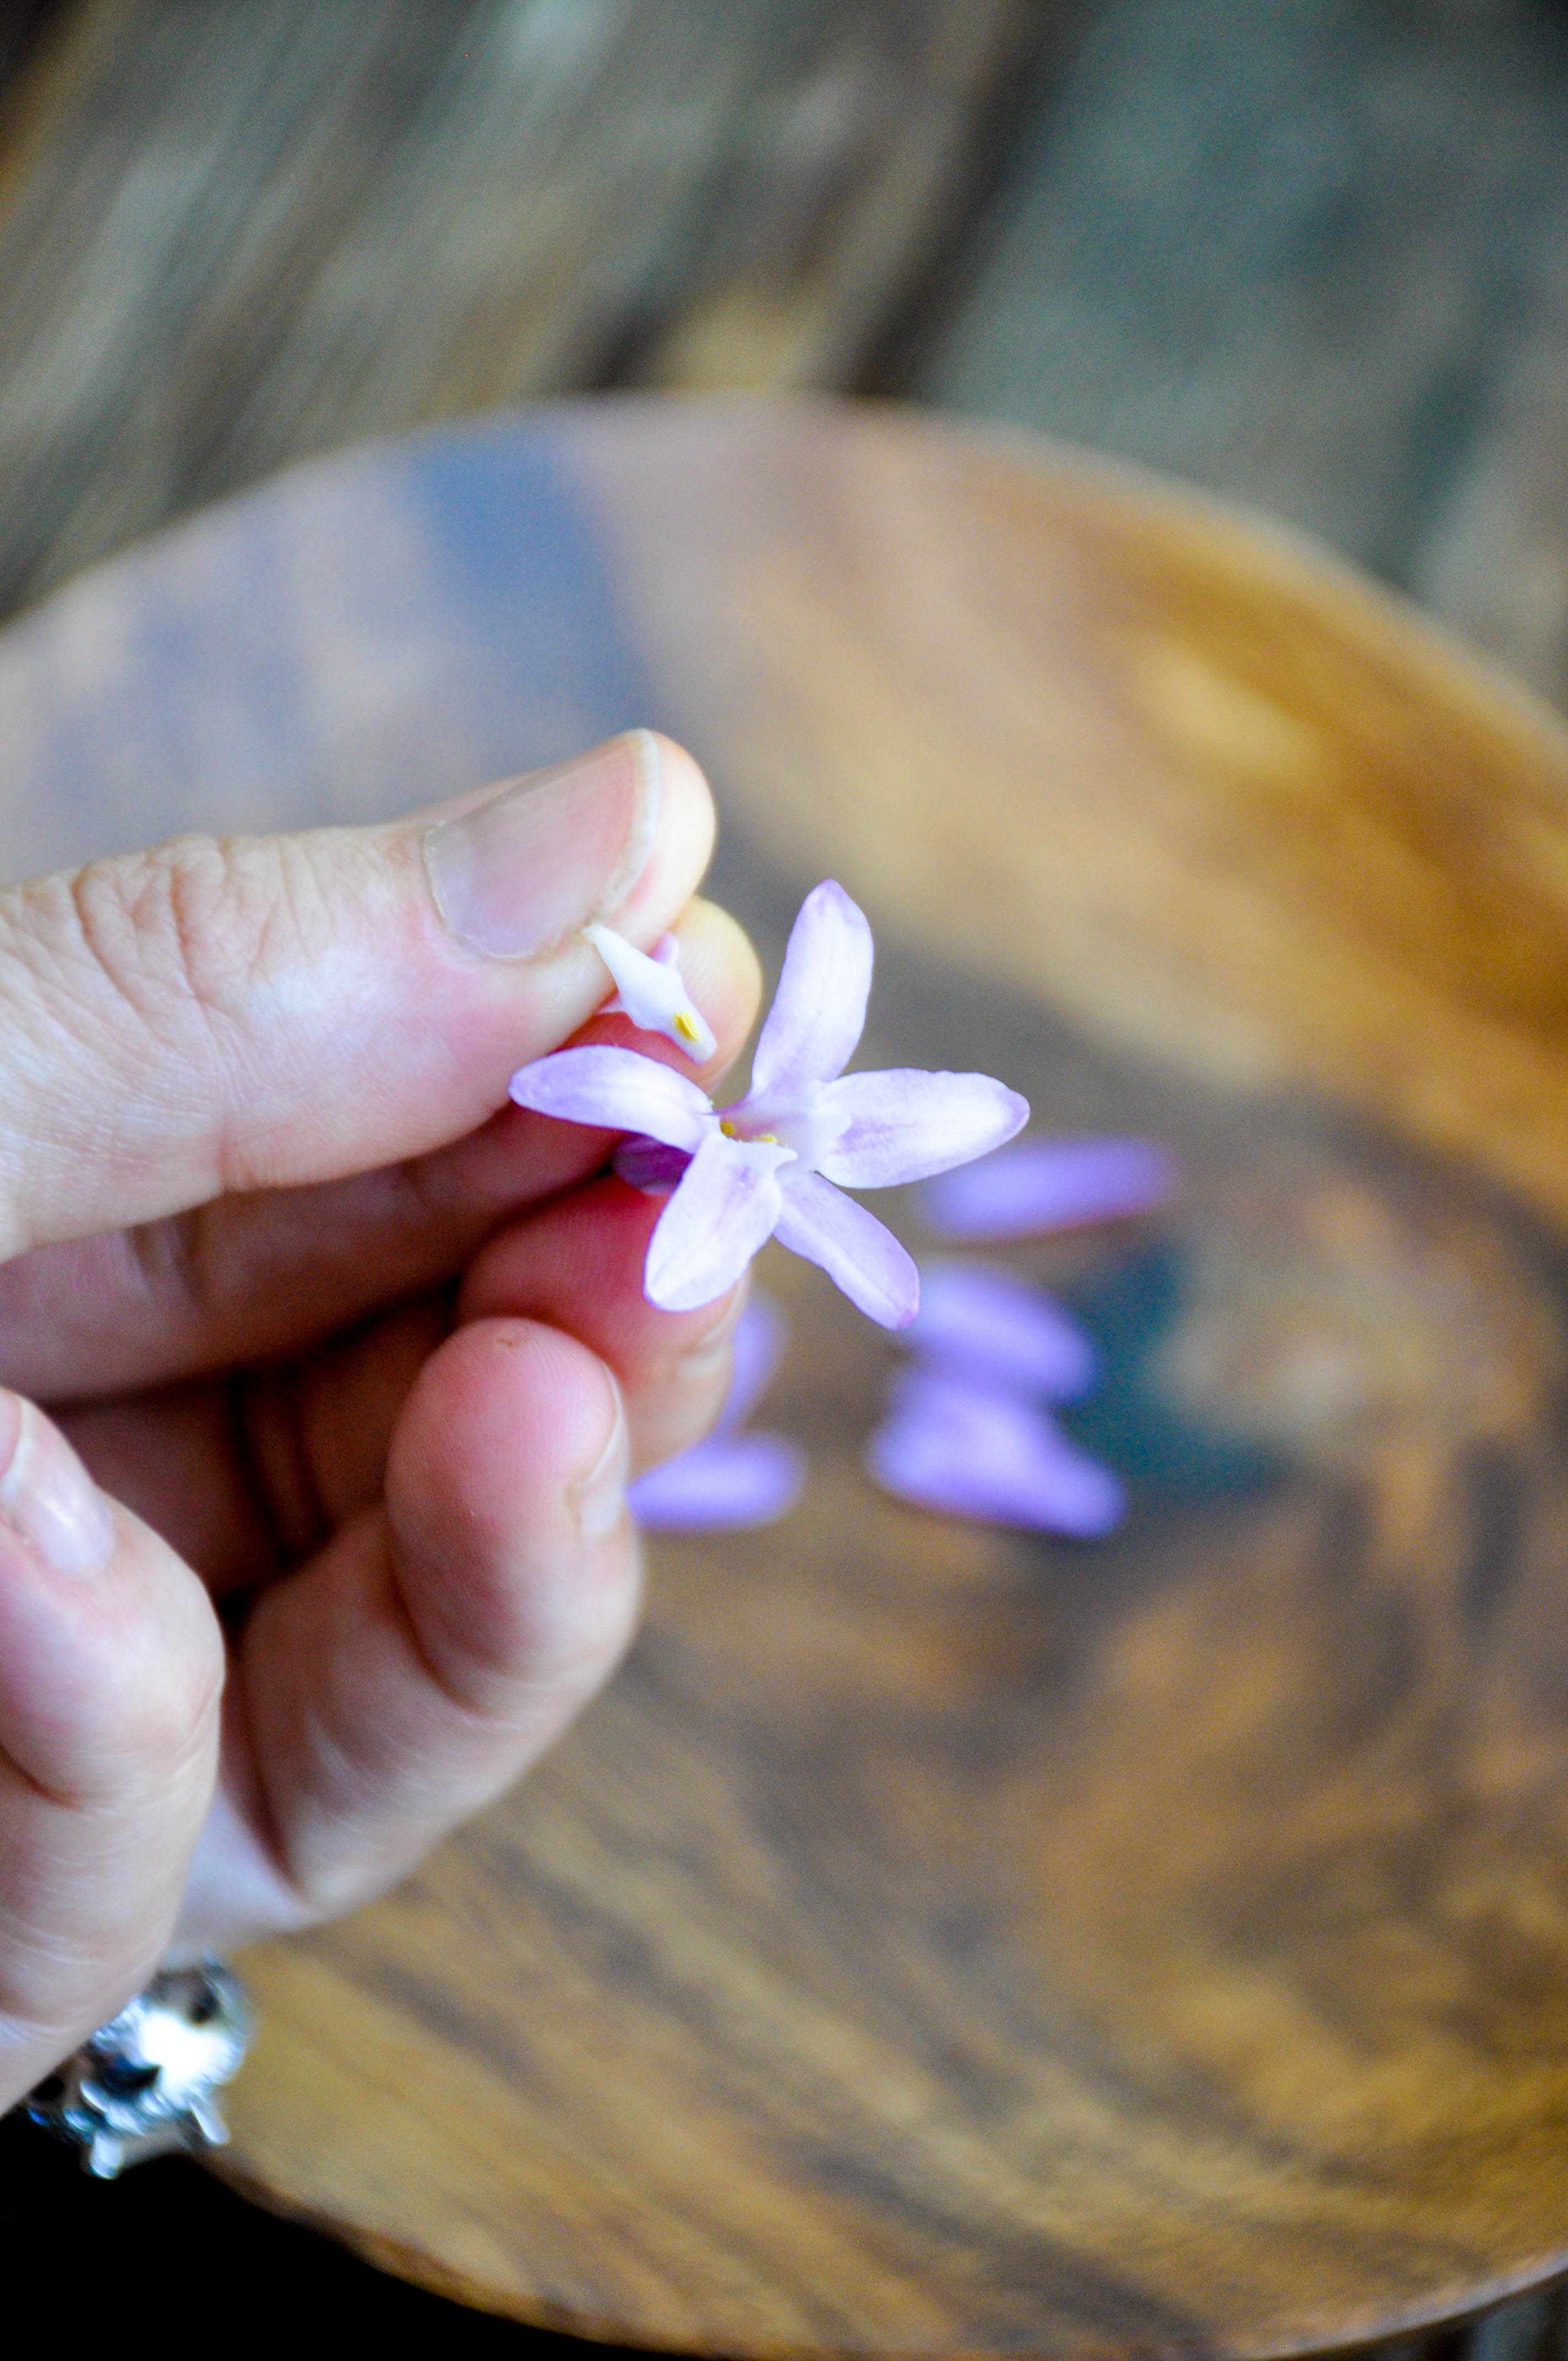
(649, 1165)
(616, 1090)
(726, 1207)
(973, 1452)
(904, 1125)
(989, 1323)
(730, 1481)
(761, 1337)
(722, 1485)
(819, 1010)
(1051, 1184)
(851, 1246)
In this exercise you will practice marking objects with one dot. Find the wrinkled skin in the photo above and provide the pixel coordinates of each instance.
(350, 1370)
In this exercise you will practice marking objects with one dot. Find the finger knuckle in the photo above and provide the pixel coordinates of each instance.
(171, 940)
(179, 929)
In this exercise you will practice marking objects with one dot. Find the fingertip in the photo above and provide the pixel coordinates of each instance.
(683, 832)
(578, 1265)
(598, 1496)
(688, 798)
(725, 977)
(47, 1495)
(506, 1500)
(111, 1659)
(112, 1668)
(510, 1411)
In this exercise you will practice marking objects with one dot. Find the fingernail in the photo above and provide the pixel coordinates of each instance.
(47, 1494)
(600, 1497)
(549, 853)
(700, 1359)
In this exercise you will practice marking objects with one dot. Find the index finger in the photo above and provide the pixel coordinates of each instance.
(277, 1011)
(247, 1279)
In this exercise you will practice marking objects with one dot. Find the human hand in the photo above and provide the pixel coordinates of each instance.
(334, 1355)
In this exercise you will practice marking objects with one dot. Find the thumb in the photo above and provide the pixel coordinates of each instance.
(271, 1010)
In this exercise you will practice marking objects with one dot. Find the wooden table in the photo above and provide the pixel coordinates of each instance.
(938, 1940)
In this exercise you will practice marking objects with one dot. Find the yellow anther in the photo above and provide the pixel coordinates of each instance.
(728, 1128)
(685, 1026)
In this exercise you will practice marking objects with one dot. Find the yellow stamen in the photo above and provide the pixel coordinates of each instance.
(728, 1128)
(685, 1026)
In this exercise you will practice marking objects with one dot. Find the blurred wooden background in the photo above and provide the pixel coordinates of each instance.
(1314, 253)
(1310, 253)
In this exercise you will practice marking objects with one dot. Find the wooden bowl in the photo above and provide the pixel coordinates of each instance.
(940, 1940)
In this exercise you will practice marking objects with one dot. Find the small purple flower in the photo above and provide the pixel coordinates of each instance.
(1051, 1184)
(775, 1162)
(730, 1481)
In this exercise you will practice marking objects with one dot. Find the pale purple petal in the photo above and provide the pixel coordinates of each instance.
(1051, 1184)
(851, 1246)
(649, 1165)
(726, 1207)
(722, 1485)
(974, 1452)
(819, 1010)
(616, 1090)
(904, 1125)
(976, 1318)
(761, 1340)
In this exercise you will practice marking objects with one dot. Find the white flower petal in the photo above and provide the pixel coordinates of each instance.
(904, 1125)
(723, 1210)
(859, 1255)
(616, 1090)
(819, 1010)
(652, 991)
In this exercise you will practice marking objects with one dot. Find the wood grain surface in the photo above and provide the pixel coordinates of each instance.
(1309, 254)
(237, 232)
(938, 1941)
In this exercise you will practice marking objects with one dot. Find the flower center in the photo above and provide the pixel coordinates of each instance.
(802, 1125)
(761, 1148)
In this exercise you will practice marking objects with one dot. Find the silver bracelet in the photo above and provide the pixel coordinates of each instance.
(142, 2085)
